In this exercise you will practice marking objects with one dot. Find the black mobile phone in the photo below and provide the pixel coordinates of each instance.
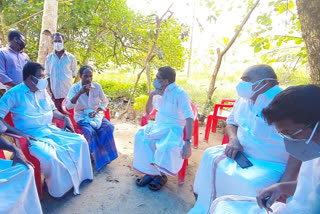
(242, 161)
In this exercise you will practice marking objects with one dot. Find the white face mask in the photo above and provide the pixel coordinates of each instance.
(41, 84)
(303, 149)
(58, 46)
(244, 89)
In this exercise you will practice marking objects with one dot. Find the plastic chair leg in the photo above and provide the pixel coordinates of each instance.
(196, 134)
(37, 175)
(208, 127)
(182, 172)
(214, 124)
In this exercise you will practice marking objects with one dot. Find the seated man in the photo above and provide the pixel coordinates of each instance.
(159, 148)
(299, 125)
(64, 157)
(18, 191)
(218, 174)
(89, 102)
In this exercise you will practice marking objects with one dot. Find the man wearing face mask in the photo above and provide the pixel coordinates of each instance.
(61, 68)
(298, 124)
(12, 60)
(218, 173)
(159, 148)
(64, 156)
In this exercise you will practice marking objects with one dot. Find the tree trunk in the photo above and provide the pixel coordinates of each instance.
(309, 15)
(3, 32)
(191, 39)
(49, 27)
(220, 57)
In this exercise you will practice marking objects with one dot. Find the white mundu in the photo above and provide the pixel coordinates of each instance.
(304, 201)
(64, 157)
(218, 175)
(18, 192)
(158, 145)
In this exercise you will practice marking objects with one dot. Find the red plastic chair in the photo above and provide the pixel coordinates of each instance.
(182, 172)
(217, 114)
(71, 115)
(22, 144)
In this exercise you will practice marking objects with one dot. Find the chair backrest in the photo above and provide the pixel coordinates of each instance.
(8, 119)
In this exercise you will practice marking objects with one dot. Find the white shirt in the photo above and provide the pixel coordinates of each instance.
(61, 72)
(95, 99)
(259, 140)
(174, 106)
(32, 112)
(307, 195)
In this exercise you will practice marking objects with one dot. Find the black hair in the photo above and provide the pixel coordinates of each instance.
(31, 68)
(300, 104)
(58, 34)
(168, 73)
(13, 34)
(263, 71)
(84, 67)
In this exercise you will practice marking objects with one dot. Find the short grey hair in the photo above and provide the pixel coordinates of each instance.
(262, 71)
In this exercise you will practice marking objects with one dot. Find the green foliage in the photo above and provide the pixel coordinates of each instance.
(264, 39)
(100, 31)
(115, 89)
(140, 103)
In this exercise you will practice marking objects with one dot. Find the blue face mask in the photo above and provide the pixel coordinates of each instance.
(303, 149)
(156, 84)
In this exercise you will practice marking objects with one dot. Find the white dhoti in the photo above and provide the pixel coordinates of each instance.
(18, 191)
(64, 159)
(219, 175)
(157, 148)
(233, 204)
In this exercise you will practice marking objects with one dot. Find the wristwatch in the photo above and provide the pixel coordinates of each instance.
(188, 140)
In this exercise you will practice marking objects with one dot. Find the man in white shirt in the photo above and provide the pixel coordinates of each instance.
(159, 148)
(61, 68)
(218, 173)
(18, 191)
(295, 114)
(64, 157)
(89, 103)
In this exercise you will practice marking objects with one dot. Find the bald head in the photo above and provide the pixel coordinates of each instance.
(258, 72)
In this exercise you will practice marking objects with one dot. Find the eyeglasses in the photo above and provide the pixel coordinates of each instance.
(290, 137)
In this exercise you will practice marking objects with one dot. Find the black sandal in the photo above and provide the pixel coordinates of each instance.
(143, 181)
(158, 182)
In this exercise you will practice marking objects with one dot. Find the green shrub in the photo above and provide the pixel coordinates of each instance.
(140, 103)
(115, 89)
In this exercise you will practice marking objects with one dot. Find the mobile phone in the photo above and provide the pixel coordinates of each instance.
(264, 201)
(242, 161)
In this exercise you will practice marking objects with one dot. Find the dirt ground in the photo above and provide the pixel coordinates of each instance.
(113, 188)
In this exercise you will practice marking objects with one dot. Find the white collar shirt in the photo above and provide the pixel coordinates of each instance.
(61, 72)
(32, 112)
(259, 140)
(173, 107)
(96, 99)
